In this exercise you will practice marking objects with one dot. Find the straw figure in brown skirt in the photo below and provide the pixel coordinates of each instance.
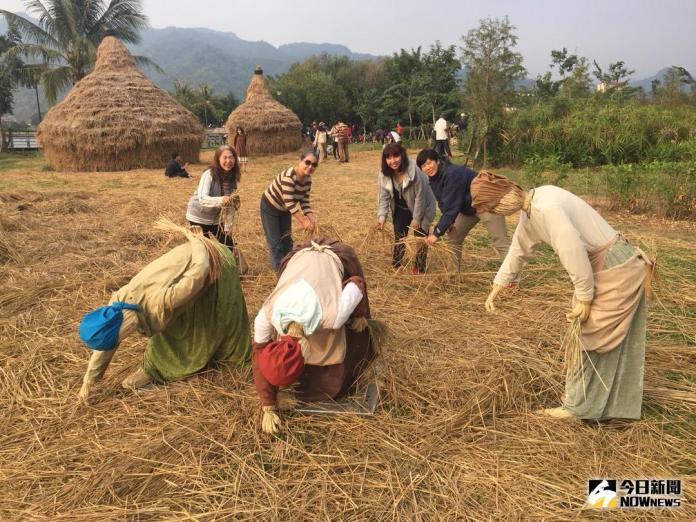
(189, 302)
(117, 119)
(269, 126)
(605, 365)
(300, 335)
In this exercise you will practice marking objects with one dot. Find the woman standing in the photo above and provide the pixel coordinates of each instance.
(239, 144)
(216, 192)
(320, 141)
(404, 188)
(287, 196)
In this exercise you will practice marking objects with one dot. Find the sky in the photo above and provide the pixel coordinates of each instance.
(647, 34)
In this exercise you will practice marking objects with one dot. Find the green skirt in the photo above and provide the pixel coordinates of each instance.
(213, 328)
(610, 386)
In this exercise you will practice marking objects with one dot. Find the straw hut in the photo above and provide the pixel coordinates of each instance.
(269, 125)
(117, 119)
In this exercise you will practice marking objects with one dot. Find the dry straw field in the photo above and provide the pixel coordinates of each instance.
(455, 436)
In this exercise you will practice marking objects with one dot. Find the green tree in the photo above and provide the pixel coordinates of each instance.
(492, 67)
(615, 79)
(68, 33)
(8, 82)
(672, 90)
(439, 91)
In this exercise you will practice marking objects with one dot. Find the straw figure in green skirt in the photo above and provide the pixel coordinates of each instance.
(189, 302)
(604, 378)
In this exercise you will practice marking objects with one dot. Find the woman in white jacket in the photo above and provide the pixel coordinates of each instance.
(404, 189)
(217, 192)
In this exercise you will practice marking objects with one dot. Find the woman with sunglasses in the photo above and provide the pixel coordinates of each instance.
(404, 189)
(287, 197)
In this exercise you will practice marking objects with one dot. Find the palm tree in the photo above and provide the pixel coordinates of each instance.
(206, 101)
(68, 33)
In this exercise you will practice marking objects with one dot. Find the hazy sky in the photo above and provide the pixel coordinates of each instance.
(646, 34)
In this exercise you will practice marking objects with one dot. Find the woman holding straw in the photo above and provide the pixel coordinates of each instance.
(299, 333)
(404, 189)
(214, 204)
(189, 302)
(287, 197)
(451, 185)
(605, 371)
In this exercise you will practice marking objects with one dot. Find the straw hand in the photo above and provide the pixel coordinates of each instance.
(380, 223)
(270, 422)
(581, 310)
(490, 307)
(431, 240)
(85, 391)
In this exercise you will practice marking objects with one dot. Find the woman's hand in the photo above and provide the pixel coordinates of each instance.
(312, 218)
(415, 225)
(270, 423)
(380, 222)
(490, 307)
(226, 200)
(307, 223)
(431, 239)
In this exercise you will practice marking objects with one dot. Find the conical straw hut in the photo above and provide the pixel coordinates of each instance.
(117, 119)
(269, 125)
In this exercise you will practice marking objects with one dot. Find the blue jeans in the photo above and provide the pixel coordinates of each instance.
(277, 226)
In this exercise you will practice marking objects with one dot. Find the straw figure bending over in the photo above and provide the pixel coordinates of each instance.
(299, 333)
(451, 185)
(189, 303)
(404, 189)
(285, 197)
(214, 204)
(610, 277)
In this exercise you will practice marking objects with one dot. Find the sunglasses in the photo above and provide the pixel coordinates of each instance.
(312, 164)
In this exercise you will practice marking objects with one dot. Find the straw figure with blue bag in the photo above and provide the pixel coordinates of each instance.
(189, 302)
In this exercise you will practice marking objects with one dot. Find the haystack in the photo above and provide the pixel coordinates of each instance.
(269, 125)
(117, 119)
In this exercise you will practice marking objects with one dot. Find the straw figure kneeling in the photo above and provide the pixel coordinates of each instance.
(189, 302)
(300, 333)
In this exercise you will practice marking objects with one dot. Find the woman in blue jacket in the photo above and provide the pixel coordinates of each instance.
(451, 185)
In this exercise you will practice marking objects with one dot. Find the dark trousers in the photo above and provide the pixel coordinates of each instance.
(277, 227)
(402, 218)
(335, 149)
(442, 147)
(217, 232)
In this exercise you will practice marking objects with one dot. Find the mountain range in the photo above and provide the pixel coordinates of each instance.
(219, 59)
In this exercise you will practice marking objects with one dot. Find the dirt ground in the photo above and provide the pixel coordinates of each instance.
(455, 435)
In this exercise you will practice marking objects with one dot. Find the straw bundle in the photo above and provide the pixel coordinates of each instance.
(269, 125)
(117, 119)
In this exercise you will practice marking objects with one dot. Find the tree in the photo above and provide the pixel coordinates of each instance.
(67, 35)
(574, 76)
(492, 68)
(672, 89)
(440, 92)
(615, 79)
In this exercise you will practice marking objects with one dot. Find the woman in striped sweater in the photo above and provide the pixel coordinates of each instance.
(285, 197)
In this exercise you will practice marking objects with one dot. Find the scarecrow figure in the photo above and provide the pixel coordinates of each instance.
(299, 333)
(610, 277)
(188, 301)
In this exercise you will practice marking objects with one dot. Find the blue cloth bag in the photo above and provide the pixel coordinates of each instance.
(99, 328)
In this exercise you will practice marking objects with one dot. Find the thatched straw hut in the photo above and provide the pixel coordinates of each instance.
(269, 125)
(117, 119)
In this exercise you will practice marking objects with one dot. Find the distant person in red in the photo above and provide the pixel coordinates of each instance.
(399, 128)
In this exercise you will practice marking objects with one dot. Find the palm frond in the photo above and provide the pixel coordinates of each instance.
(147, 62)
